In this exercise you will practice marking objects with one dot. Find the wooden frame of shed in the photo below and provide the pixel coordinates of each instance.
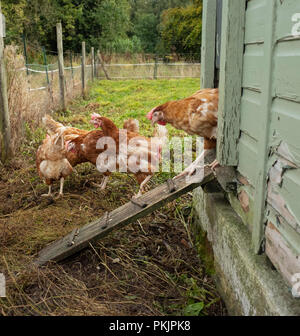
(259, 118)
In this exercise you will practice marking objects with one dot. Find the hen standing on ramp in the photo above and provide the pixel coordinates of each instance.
(196, 115)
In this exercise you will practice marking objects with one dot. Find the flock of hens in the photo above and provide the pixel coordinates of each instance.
(65, 147)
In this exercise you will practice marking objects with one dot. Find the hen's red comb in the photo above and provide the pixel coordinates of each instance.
(150, 114)
(95, 116)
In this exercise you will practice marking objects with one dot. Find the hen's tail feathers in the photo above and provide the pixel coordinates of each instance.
(132, 125)
(52, 126)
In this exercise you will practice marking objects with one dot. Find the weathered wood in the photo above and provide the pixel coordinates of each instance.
(93, 63)
(259, 217)
(281, 255)
(208, 43)
(5, 132)
(83, 69)
(61, 66)
(102, 65)
(118, 218)
(232, 49)
(227, 178)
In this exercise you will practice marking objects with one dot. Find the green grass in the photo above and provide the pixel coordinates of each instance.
(147, 268)
(120, 100)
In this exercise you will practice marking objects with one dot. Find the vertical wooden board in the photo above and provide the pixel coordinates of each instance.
(247, 158)
(281, 254)
(285, 11)
(263, 143)
(208, 43)
(287, 70)
(255, 21)
(253, 67)
(251, 113)
(232, 48)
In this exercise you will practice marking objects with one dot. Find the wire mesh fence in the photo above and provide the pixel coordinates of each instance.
(112, 67)
(34, 88)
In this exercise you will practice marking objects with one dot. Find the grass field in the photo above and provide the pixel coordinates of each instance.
(147, 268)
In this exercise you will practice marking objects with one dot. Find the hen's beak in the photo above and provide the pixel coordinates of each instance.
(154, 120)
(96, 122)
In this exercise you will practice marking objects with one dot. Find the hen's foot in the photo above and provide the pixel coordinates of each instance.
(215, 164)
(47, 195)
(189, 171)
(103, 184)
(143, 186)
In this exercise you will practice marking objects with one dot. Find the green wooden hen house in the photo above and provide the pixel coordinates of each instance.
(251, 51)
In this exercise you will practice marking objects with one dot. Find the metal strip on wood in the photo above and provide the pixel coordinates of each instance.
(231, 71)
(118, 218)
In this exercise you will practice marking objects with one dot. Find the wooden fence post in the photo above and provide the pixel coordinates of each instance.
(93, 63)
(25, 53)
(61, 67)
(5, 133)
(155, 67)
(83, 68)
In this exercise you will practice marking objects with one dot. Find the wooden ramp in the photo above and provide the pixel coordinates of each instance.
(124, 215)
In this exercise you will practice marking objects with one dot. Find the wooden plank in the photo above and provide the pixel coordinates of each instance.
(259, 217)
(255, 22)
(286, 79)
(124, 215)
(286, 122)
(61, 66)
(281, 255)
(250, 113)
(5, 132)
(253, 67)
(232, 49)
(285, 229)
(248, 157)
(283, 189)
(285, 12)
(208, 47)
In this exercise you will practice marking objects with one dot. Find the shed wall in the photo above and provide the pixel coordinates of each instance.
(282, 211)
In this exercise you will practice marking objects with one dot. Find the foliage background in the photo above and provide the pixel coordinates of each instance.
(136, 26)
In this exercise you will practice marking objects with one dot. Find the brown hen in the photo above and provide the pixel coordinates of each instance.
(196, 115)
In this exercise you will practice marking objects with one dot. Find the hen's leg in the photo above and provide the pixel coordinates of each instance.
(49, 193)
(214, 165)
(142, 185)
(104, 182)
(61, 189)
(190, 170)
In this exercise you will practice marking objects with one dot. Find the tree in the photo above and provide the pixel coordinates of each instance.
(146, 16)
(181, 28)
